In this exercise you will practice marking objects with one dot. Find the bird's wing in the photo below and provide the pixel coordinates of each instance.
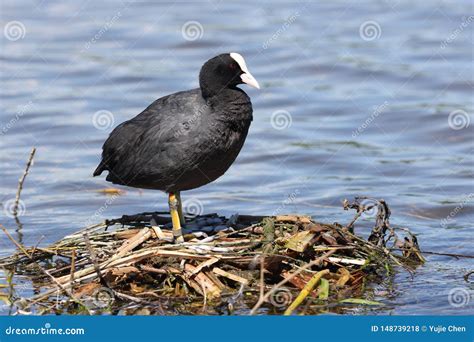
(133, 147)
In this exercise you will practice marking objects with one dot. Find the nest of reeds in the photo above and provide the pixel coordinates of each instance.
(243, 264)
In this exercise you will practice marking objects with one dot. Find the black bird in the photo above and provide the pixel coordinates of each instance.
(184, 140)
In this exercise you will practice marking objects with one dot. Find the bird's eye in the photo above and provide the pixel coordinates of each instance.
(233, 66)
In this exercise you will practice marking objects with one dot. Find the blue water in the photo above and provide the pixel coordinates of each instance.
(371, 98)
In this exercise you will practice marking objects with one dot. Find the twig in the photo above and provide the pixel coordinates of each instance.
(20, 247)
(453, 255)
(262, 280)
(73, 265)
(36, 246)
(151, 269)
(21, 181)
(348, 261)
(134, 241)
(126, 296)
(229, 275)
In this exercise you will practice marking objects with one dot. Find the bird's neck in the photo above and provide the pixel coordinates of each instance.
(231, 104)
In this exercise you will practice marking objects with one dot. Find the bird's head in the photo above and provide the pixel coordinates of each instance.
(225, 71)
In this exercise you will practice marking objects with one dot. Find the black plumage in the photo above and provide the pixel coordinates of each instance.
(187, 139)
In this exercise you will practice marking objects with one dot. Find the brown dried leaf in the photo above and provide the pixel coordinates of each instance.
(135, 288)
(86, 290)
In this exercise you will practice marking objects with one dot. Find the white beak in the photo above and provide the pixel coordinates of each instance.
(250, 80)
(246, 77)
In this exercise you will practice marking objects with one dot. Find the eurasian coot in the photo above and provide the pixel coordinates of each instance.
(184, 140)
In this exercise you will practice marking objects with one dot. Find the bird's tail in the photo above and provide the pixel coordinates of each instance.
(99, 169)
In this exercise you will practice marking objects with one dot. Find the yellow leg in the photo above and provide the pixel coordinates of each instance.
(180, 208)
(174, 205)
